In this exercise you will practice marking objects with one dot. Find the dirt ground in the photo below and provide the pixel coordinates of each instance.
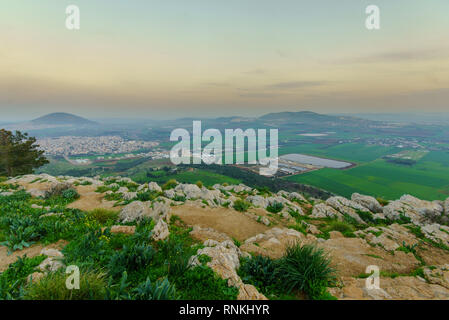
(231, 222)
(37, 185)
(89, 200)
(33, 251)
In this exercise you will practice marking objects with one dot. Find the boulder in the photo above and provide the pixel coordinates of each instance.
(122, 190)
(160, 210)
(51, 265)
(35, 277)
(423, 207)
(191, 191)
(278, 199)
(160, 231)
(341, 204)
(53, 253)
(56, 188)
(130, 230)
(394, 209)
(273, 242)
(211, 196)
(367, 202)
(258, 201)
(170, 193)
(36, 193)
(135, 211)
(154, 187)
(295, 195)
(249, 292)
(241, 187)
(129, 195)
(322, 210)
(225, 261)
(348, 207)
(438, 275)
(436, 232)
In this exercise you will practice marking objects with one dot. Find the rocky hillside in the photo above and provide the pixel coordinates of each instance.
(233, 231)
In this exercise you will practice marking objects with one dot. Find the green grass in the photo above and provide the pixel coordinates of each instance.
(352, 152)
(53, 287)
(103, 215)
(426, 180)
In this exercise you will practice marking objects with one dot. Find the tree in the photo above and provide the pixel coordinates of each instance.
(19, 154)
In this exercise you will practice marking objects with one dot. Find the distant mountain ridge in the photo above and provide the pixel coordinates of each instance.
(300, 115)
(62, 118)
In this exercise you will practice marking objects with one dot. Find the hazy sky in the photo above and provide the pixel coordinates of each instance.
(170, 58)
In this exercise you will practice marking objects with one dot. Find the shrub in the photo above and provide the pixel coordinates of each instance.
(130, 259)
(306, 268)
(201, 283)
(103, 215)
(170, 184)
(299, 227)
(70, 194)
(90, 249)
(275, 207)
(382, 201)
(179, 197)
(53, 287)
(176, 256)
(147, 196)
(199, 184)
(345, 228)
(261, 272)
(366, 216)
(102, 189)
(407, 248)
(241, 205)
(13, 278)
(160, 290)
(22, 232)
(403, 219)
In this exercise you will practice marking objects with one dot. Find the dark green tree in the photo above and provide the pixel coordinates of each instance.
(19, 154)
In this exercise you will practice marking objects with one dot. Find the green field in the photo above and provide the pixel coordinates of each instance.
(428, 179)
(352, 152)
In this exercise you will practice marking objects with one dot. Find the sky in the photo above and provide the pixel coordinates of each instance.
(176, 58)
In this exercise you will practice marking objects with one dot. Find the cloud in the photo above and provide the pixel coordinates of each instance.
(217, 84)
(399, 56)
(255, 71)
(296, 85)
(257, 95)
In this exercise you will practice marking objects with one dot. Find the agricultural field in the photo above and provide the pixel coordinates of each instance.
(352, 152)
(427, 179)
